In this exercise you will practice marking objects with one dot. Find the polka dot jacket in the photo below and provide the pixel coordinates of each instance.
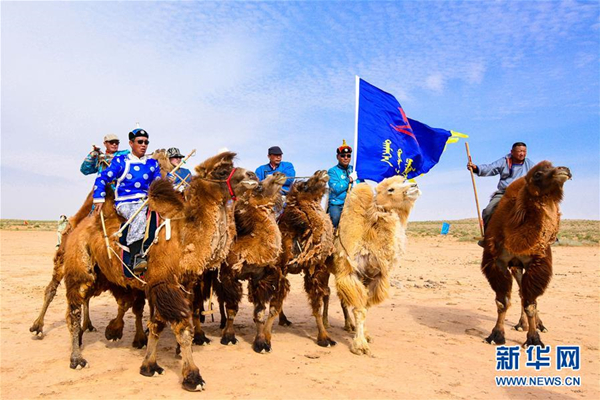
(133, 177)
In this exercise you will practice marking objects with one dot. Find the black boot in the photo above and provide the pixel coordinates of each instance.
(138, 260)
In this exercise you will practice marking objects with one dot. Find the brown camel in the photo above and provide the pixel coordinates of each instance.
(371, 240)
(252, 257)
(114, 330)
(308, 247)
(517, 241)
(201, 230)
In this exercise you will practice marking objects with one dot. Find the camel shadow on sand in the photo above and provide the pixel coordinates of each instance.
(457, 321)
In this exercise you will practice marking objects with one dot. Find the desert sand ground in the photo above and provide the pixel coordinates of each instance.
(428, 337)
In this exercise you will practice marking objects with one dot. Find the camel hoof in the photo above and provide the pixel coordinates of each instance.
(349, 328)
(151, 369)
(533, 340)
(228, 339)
(140, 343)
(78, 363)
(521, 328)
(496, 337)
(91, 328)
(38, 329)
(360, 350)
(542, 328)
(284, 322)
(193, 382)
(201, 339)
(113, 331)
(261, 346)
(327, 342)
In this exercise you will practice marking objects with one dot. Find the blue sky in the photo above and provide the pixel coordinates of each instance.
(249, 75)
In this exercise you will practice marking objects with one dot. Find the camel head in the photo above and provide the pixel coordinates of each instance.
(271, 185)
(220, 169)
(160, 155)
(396, 193)
(311, 189)
(544, 179)
(266, 192)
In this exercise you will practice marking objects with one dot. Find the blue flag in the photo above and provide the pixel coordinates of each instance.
(388, 143)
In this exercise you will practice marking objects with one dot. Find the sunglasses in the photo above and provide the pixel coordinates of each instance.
(146, 142)
(345, 155)
(113, 142)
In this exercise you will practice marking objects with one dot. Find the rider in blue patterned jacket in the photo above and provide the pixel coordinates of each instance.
(133, 173)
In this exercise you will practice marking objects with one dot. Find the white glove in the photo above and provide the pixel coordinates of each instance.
(354, 176)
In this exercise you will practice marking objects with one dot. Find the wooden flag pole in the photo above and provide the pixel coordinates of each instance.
(475, 190)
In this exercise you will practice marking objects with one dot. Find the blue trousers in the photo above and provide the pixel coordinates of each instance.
(335, 212)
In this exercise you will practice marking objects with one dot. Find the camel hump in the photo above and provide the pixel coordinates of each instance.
(360, 198)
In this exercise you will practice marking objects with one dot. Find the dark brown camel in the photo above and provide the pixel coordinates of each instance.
(518, 240)
(252, 257)
(307, 235)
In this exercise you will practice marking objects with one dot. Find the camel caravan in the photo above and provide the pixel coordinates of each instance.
(226, 227)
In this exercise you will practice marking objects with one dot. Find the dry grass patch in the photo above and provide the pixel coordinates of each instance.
(573, 232)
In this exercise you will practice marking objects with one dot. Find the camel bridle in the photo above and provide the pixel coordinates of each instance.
(228, 182)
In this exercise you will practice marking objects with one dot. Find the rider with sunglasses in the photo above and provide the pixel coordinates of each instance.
(133, 172)
(96, 161)
(341, 178)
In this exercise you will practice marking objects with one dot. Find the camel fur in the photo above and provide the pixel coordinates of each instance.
(114, 330)
(371, 242)
(252, 257)
(308, 247)
(517, 242)
(201, 233)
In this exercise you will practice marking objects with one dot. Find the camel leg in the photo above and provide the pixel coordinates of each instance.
(192, 381)
(87, 322)
(49, 293)
(114, 329)
(263, 287)
(316, 288)
(74, 324)
(79, 282)
(523, 324)
(359, 344)
(535, 281)
(326, 311)
(283, 320)
(500, 279)
(326, 303)
(348, 323)
(197, 316)
(275, 305)
(140, 339)
(229, 293)
(149, 365)
(223, 314)
(76, 296)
